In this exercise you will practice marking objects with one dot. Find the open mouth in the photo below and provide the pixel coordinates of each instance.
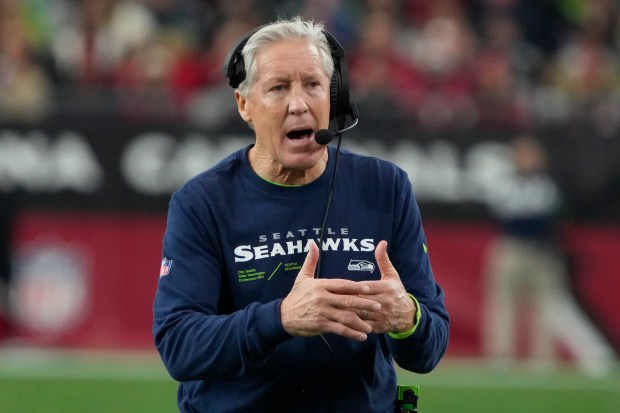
(299, 134)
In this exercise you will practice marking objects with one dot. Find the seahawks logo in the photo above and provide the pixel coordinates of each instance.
(361, 265)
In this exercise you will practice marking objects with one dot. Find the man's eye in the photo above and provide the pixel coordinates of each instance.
(278, 88)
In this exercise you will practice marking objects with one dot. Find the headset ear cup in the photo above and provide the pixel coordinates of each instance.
(339, 86)
(234, 66)
(239, 71)
(334, 95)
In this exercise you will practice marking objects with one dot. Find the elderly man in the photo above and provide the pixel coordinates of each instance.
(267, 301)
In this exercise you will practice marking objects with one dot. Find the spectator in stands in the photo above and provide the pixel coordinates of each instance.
(542, 22)
(587, 70)
(156, 78)
(382, 79)
(96, 37)
(210, 106)
(506, 70)
(526, 279)
(444, 48)
(341, 17)
(25, 89)
(88, 46)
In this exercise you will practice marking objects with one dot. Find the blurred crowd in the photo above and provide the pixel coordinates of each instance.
(443, 64)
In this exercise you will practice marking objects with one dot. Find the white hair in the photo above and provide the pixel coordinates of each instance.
(295, 28)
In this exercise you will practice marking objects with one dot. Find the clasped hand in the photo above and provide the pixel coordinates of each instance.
(348, 308)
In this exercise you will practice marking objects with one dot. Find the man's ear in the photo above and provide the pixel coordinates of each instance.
(243, 107)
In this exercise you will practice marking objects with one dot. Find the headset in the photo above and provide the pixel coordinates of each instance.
(340, 106)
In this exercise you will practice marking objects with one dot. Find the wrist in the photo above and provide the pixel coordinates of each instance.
(399, 335)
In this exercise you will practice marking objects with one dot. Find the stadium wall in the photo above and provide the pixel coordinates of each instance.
(88, 279)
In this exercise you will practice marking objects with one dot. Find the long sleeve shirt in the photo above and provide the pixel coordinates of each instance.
(232, 249)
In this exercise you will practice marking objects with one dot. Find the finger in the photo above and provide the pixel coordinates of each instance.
(353, 302)
(376, 322)
(383, 261)
(342, 330)
(346, 287)
(309, 266)
(374, 319)
(348, 324)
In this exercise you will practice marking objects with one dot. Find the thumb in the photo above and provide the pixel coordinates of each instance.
(309, 266)
(383, 261)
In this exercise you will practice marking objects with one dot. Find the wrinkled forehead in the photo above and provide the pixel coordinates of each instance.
(289, 55)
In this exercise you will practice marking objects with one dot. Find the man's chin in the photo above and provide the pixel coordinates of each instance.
(303, 161)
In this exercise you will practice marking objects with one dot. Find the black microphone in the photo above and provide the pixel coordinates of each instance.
(325, 136)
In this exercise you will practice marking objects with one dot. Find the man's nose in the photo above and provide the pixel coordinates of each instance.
(297, 103)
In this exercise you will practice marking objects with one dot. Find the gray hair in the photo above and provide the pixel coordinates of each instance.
(295, 28)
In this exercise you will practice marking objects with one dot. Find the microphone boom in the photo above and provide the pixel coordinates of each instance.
(325, 136)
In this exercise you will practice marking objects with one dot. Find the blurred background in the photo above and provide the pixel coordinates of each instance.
(504, 113)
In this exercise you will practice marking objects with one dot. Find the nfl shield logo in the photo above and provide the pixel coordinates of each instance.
(164, 269)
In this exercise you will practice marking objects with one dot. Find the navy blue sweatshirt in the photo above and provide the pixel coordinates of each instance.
(233, 246)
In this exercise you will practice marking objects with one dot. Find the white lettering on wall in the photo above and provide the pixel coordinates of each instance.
(440, 172)
(156, 164)
(35, 162)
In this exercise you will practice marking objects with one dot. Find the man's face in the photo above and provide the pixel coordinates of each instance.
(288, 102)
